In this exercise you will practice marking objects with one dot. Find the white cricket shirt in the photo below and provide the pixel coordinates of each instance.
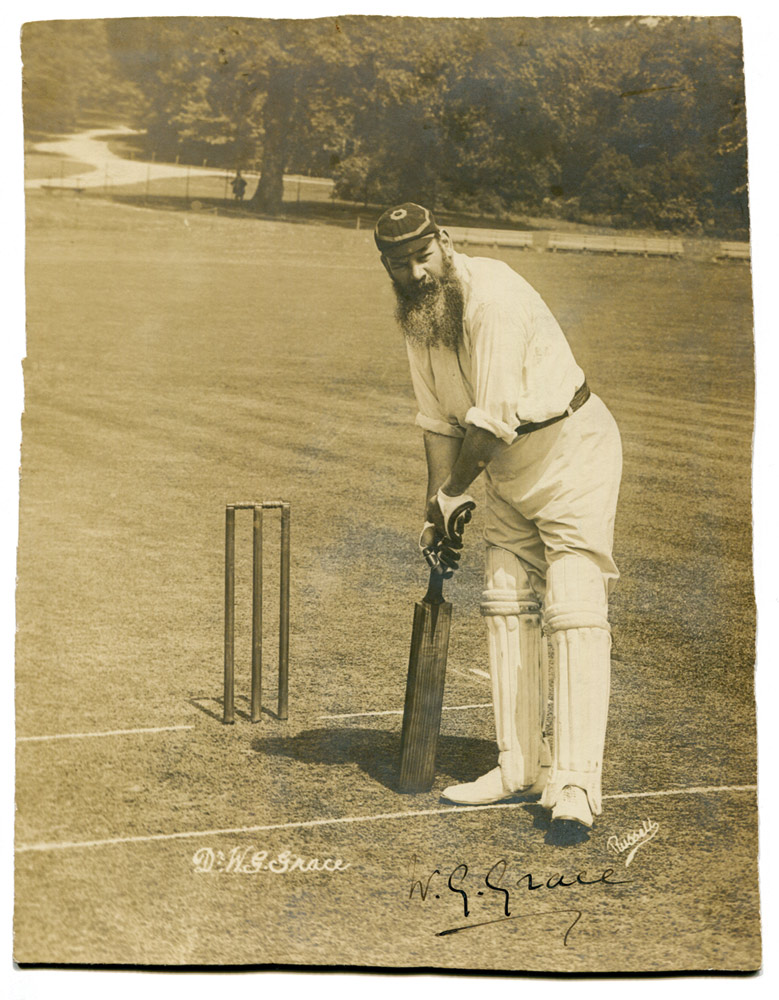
(514, 364)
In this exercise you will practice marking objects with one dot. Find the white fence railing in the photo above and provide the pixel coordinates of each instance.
(734, 251)
(643, 245)
(490, 237)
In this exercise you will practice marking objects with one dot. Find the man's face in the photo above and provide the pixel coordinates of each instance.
(418, 266)
(429, 295)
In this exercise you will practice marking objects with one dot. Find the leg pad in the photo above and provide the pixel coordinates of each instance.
(518, 667)
(582, 676)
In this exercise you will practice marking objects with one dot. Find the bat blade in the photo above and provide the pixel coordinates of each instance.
(424, 690)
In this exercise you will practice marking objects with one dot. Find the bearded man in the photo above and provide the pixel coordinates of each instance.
(499, 391)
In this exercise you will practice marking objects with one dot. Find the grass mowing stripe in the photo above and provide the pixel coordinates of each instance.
(110, 732)
(341, 820)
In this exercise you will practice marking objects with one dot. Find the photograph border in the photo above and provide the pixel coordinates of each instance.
(759, 29)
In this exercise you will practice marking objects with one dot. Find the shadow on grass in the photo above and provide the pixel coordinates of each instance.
(335, 213)
(376, 752)
(562, 833)
(329, 212)
(217, 712)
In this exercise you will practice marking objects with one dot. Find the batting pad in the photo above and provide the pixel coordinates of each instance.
(518, 666)
(582, 679)
(576, 595)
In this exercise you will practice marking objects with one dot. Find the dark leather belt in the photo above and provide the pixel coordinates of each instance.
(580, 397)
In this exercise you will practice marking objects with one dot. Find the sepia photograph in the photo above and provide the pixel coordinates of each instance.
(384, 588)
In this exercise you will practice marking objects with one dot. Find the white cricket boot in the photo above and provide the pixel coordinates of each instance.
(572, 804)
(492, 786)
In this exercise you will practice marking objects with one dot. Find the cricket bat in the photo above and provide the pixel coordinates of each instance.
(425, 687)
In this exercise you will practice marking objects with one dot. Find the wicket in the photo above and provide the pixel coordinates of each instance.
(229, 657)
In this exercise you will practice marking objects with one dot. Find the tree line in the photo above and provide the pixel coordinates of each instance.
(630, 120)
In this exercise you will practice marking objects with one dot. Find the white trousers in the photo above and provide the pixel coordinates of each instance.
(554, 491)
(551, 501)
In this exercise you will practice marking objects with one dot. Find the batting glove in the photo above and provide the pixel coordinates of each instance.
(438, 553)
(449, 515)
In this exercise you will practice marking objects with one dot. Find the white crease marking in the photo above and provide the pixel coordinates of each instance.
(399, 711)
(702, 790)
(342, 820)
(110, 732)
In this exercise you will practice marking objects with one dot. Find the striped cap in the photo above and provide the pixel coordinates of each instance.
(403, 224)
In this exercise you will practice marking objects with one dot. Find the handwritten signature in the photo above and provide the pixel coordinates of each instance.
(633, 840)
(250, 861)
(496, 881)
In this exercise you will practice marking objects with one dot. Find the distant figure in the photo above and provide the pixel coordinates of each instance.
(239, 186)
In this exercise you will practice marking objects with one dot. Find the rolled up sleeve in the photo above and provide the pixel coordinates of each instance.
(498, 357)
(439, 426)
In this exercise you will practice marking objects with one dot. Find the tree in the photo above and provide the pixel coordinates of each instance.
(68, 75)
(267, 90)
(639, 118)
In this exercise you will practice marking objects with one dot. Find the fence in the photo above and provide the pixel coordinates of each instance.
(644, 245)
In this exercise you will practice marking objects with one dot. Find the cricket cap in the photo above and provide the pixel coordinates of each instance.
(402, 225)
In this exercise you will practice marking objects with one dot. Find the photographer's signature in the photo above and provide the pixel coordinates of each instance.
(632, 841)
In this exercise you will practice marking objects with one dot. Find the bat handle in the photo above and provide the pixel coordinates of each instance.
(435, 588)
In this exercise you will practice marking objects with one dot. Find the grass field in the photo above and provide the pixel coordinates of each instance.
(180, 361)
(52, 167)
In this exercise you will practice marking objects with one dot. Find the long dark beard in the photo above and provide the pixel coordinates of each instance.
(432, 314)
